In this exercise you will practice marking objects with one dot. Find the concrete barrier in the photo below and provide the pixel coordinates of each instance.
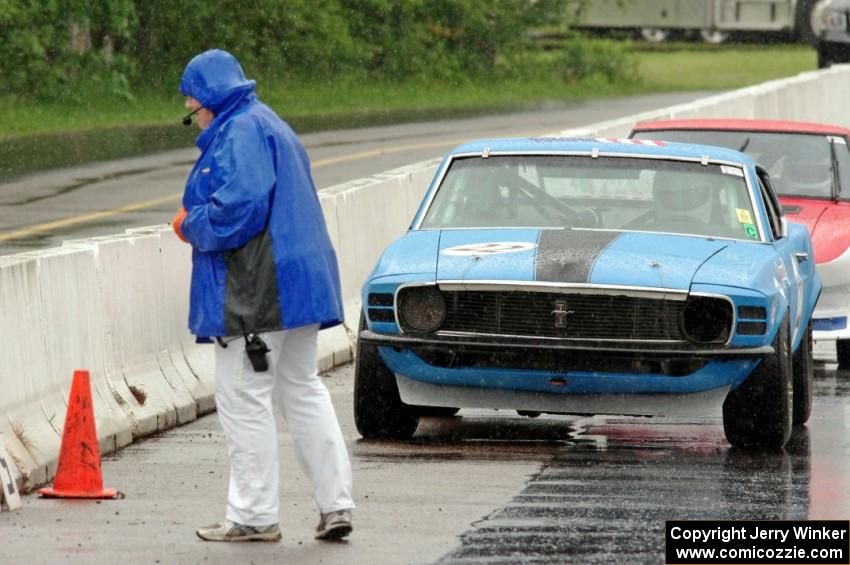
(370, 213)
(808, 97)
(117, 305)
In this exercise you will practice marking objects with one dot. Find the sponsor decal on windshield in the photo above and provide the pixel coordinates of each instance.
(744, 216)
(489, 248)
(727, 170)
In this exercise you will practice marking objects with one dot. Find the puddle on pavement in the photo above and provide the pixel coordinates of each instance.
(607, 484)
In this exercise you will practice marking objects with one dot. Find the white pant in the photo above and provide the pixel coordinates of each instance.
(244, 402)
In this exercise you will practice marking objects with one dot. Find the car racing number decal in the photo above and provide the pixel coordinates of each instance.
(489, 248)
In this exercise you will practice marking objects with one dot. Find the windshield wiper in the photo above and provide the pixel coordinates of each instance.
(836, 178)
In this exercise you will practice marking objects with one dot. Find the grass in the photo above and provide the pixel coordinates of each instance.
(722, 67)
(676, 67)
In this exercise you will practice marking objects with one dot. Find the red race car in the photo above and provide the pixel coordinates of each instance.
(809, 165)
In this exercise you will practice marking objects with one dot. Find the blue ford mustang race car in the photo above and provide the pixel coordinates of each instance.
(592, 276)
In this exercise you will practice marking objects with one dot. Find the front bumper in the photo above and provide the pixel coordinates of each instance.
(635, 351)
(706, 404)
(583, 371)
(830, 329)
(831, 318)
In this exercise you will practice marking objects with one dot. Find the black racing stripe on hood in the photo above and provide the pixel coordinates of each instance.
(568, 255)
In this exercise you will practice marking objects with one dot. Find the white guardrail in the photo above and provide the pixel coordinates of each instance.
(118, 305)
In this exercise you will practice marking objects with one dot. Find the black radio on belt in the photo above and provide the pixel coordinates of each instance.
(256, 350)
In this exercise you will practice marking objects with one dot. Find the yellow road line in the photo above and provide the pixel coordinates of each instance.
(385, 151)
(40, 228)
(74, 220)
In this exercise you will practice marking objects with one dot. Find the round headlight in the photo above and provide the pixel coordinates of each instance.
(706, 319)
(421, 309)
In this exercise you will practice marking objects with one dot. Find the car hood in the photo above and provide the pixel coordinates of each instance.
(573, 256)
(826, 221)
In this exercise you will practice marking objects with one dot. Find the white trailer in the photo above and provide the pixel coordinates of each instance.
(713, 19)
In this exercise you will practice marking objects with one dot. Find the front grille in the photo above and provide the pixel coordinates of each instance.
(384, 315)
(752, 328)
(556, 361)
(582, 316)
(752, 312)
(380, 299)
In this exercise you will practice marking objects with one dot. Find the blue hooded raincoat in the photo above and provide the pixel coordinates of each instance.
(262, 259)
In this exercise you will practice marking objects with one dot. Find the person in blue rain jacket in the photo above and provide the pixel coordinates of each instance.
(264, 282)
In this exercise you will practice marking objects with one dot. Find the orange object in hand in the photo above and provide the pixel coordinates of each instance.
(177, 224)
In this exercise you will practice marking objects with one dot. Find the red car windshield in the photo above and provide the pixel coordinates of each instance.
(799, 164)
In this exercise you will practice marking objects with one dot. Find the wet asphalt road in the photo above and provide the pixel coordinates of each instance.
(481, 487)
(604, 497)
(603, 494)
(105, 198)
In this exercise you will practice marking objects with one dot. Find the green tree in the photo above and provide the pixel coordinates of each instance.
(65, 48)
(48, 47)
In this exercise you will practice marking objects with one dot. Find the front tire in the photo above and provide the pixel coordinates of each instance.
(804, 374)
(824, 57)
(842, 351)
(830, 54)
(758, 414)
(379, 412)
(803, 21)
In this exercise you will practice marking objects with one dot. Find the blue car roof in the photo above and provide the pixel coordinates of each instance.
(605, 145)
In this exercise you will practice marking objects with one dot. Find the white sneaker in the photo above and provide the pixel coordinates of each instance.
(334, 526)
(231, 531)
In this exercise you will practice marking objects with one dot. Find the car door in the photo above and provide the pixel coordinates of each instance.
(795, 267)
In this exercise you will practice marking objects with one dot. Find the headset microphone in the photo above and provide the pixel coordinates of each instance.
(187, 121)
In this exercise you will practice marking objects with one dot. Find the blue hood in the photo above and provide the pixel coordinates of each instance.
(572, 256)
(216, 80)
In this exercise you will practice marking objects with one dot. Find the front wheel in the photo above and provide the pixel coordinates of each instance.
(832, 53)
(804, 374)
(825, 57)
(803, 21)
(379, 412)
(758, 414)
(842, 350)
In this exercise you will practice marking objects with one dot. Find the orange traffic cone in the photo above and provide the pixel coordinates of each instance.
(78, 474)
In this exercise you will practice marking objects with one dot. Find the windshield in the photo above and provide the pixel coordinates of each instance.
(799, 164)
(616, 193)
